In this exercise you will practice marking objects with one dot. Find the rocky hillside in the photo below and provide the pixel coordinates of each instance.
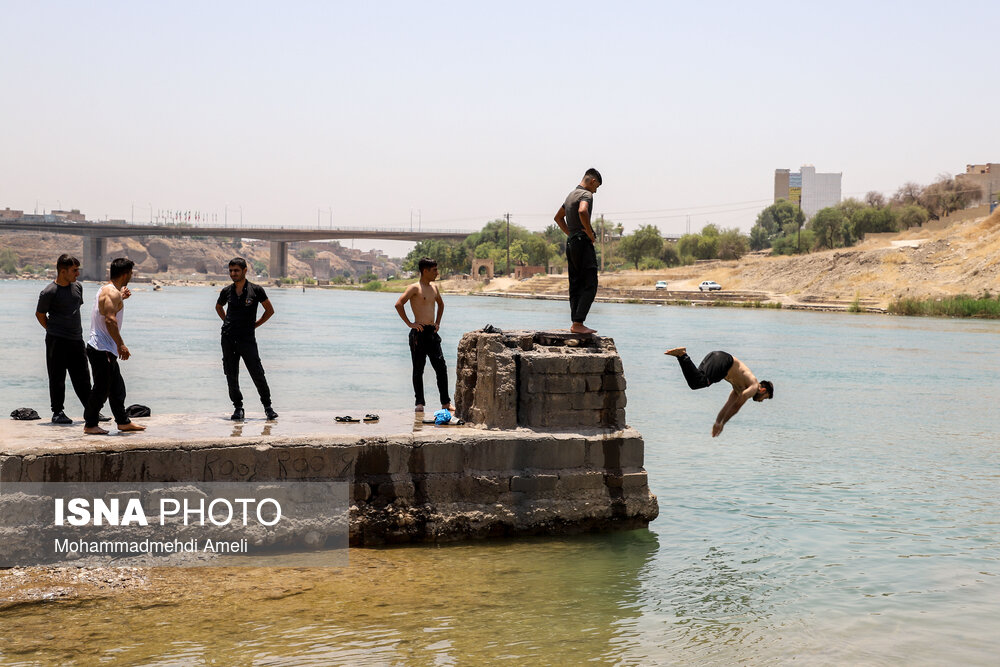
(186, 259)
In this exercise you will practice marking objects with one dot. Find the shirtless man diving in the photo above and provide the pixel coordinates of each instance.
(718, 366)
(424, 340)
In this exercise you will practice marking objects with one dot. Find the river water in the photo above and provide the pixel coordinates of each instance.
(854, 519)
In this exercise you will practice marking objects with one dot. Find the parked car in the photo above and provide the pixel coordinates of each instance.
(709, 285)
(661, 284)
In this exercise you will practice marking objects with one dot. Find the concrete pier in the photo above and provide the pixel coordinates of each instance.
(410, 481)
(95, 258)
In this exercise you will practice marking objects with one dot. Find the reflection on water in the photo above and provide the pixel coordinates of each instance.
(853, 519)
(441, 605)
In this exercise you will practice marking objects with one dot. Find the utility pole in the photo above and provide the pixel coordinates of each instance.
(507, 215)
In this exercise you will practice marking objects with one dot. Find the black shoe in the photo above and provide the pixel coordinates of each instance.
(103, 418)
(270, 413)
(61, 418)
(237, 414)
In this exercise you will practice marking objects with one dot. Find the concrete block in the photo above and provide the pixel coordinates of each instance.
(397, 489)
(437, 457)
(534, 484)
(632, 452)
(631, 480)
(589, 363)
(490, 454)
(589, 401)
(553, 454)
(594, 382)
(555, 403)
(583, 481)
(360, 492)
(549, 363)
(612, 382)
(565, 384)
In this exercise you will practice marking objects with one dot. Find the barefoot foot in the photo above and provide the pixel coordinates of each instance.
(448, 406)
(131, 426)
(677, 352)
(578, 328)
(94, 430)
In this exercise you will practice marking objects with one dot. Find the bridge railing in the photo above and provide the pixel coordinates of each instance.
(48, 222)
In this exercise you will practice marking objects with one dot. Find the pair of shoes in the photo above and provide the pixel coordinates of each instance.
(347, 420)
(370, 418)
(270, 413)
(103, 418)
(61, 418)
(237, 414)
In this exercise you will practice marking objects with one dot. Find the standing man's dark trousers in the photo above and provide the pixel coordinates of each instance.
(581, 258)
(713, 368)
(62, 355)
(233, 349)
(108, 386)
(425, 345)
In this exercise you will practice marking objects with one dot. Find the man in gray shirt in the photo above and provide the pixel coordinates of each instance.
(574, 219)
(58, 311)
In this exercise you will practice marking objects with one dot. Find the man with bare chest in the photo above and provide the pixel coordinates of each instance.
(716, 367)
(425, 343)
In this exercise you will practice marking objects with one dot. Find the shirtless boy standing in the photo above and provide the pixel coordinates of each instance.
(424, 340)
(716, 367)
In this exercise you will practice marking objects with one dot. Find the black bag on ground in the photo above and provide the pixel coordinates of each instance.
(136, 410)
(24, 414)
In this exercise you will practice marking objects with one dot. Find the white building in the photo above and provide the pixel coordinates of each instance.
(814, 191)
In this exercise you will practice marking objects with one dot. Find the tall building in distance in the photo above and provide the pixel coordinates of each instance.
(986, 177)
(811, 190)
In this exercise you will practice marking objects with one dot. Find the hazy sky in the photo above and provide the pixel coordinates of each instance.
(466, 110)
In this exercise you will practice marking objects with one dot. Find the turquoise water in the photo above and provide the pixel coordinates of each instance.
(854, 518)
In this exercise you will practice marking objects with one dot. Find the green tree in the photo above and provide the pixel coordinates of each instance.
(912, 215)
(8, 260)
(872, 221)
(643, 242)
(307, 253)
(772, 221)
(732, 244)
(828, 226)
(669, 255)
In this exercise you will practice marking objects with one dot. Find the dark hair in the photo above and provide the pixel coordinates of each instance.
(120, 266)
(766, 384)
(238, 261)
(66, 262)
(593, 173)
(426, 263)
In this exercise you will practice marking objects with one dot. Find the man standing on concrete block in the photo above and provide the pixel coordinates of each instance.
(573, 218)
(58, 311)
(424, 339)
(105, 347)
(239, 322)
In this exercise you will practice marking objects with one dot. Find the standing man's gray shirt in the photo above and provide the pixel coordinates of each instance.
(61, 304)
(572, 207)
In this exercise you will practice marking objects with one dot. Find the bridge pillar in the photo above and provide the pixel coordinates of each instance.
(279, 259)
(94, 260)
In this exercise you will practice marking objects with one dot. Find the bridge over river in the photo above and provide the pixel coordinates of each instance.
(96, 234)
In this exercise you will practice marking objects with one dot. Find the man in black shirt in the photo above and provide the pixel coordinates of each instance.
(58, 311)
(573, 218)
(239, 320)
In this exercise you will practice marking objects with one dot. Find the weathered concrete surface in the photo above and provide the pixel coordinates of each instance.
(540, 379)
(409, 481)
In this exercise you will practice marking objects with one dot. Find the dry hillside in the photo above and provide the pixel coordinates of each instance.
(934, 260)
